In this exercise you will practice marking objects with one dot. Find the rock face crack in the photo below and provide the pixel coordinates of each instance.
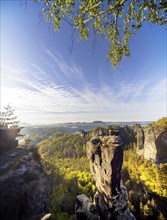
(105, 153)
(116, 165)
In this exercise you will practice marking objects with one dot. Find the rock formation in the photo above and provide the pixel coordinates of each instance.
(8, 138)
(155, 144)
(126, 133)
(152, 143)
(140, 139)
(23, 191)
(110, 201)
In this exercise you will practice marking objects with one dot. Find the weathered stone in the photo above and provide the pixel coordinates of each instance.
(105, 153)
(47, 217)
(152, 143)
(85, 209)
(140, 139)
(155, 144)
(106, 156)
(23, 188)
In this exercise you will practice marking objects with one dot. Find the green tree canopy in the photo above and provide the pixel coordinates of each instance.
(161, 122)
(117, 20)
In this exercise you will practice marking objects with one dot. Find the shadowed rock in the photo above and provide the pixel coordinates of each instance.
(85, 209)
(23, 191)
(140, 139)
(7, 138)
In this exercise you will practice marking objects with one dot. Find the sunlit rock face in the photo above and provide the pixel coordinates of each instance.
(155, 144)
(152, 143)
(23, 191)
(110, 201)
(8, 138)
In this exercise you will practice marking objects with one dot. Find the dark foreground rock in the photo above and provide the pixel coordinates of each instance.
(23, 191)
(110, 201)
(8, 138)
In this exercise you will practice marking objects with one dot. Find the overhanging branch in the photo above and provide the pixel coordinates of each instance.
(105, 10)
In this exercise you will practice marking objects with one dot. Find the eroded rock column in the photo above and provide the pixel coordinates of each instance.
(110, 201)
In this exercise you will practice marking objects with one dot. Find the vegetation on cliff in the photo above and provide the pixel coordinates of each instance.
(8, 118)
(146, 186)
(67, 168)
(162, 122)
(65, 162)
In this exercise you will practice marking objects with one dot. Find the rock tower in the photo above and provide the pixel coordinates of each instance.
(105, 153)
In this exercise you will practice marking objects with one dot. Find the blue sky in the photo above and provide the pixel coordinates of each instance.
(46, 84)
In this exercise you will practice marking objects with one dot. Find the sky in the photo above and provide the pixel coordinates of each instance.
(47, 84)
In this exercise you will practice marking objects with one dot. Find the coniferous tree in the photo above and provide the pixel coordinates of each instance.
(8, 119)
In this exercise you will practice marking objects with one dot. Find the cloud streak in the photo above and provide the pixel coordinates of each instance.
(57, 91)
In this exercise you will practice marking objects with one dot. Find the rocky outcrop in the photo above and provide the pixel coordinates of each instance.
(155, 144)
(152, 143)
(110, 201)
(140, 139)
(23, 190)
(126, 133)
(8, 138)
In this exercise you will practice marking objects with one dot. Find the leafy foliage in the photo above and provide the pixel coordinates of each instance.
(65, 163)
(146, 186)
(67, 168)
(118, 21)
(162, 122)
(63, 146)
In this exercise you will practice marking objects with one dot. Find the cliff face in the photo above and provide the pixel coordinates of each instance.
(23, 188)
(152, 143)
(155, 144)
(110, 201)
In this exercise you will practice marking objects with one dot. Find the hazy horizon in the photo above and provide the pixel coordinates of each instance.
(86, 122)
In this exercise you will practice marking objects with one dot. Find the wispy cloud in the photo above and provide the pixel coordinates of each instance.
(56, 90)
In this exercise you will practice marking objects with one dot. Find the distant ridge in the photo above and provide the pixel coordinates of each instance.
(102, 123)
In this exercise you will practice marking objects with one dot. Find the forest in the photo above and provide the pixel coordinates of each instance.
(67, 168)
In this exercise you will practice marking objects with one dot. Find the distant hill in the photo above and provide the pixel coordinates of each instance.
(37, 133)
(71, 127)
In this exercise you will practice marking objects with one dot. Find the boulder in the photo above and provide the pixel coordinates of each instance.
(85, 209)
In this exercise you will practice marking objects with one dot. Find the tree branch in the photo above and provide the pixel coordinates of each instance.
(94, 6)
(104, 11)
